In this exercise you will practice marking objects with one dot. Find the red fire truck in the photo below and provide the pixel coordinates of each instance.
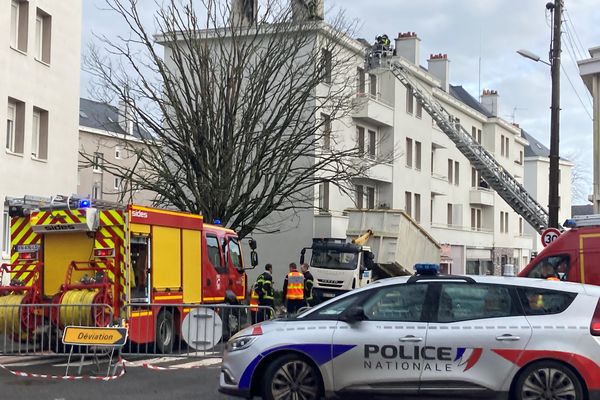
(142, 263)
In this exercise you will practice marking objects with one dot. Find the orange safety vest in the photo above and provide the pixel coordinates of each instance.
(295, 286)
(254, 301)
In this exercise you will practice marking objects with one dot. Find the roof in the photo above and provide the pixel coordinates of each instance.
(459, 93)
(535, 148)
(103, 116)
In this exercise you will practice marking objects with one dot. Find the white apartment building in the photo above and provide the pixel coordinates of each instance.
(429, 177)
(109, 136)
(40, 43)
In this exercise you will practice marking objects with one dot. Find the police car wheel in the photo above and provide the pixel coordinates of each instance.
(548, 380)
(291, 377)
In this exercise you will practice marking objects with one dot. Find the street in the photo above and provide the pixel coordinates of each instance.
(137, 383)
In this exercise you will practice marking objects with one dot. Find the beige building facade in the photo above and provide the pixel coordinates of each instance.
(40, 43)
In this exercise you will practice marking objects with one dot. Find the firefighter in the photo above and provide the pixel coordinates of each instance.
(265, 293)
(293, 290)
(309, 282)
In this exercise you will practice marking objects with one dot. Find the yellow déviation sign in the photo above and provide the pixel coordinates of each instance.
(90, 336)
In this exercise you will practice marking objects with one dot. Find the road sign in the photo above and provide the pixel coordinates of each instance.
(549, 235)
(90, 336)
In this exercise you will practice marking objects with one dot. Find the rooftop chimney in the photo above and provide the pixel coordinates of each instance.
(439, 67)
(243, 12)
(125, 117)
(303, 10)
(489, 99)
(408, 46)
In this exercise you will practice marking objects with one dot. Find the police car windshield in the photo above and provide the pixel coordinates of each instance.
(333, 259)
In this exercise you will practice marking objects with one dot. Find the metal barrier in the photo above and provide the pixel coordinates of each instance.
(36, 329)
(187, 330)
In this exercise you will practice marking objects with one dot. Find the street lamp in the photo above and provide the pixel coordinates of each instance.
(555, 49)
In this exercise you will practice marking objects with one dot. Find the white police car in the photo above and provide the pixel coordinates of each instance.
(428, 335)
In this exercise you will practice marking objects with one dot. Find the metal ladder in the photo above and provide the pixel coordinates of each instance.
(494, 174)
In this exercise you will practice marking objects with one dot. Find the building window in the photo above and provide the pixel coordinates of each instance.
(370, 198)
(117, 183)
(456, 173)
(419, 109)
(359, 196)
(418, 155)
(326, 131)
(520, 226)
(417, 215)
(19, 22)
(475, 219)
(503, 222)
(521, 157)
(409, 101)
(96, 192)
(502, 145)
(409, 152)
(506, 148)
(98, 162)
(474, 178)
(5, 234)
(360, 132)
(408, 202)
(360, 81)
(118, 152)
(324, 196)
(372, 144)
(43, 29)
(327, 65)
(432, 159)
(373, 85)
(450, 220)
(431, 210)
(473, 133)
(479, 136)
(15, 122)
(450, 170)
(39, 135)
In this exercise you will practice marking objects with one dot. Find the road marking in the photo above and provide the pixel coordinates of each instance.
(198, 363)
(157, 360)
(33, 362)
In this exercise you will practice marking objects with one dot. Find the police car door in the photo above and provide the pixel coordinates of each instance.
(472, 321)
(386, 331)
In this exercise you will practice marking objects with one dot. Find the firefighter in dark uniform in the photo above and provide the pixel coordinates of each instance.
(265, 294)
(309, 282)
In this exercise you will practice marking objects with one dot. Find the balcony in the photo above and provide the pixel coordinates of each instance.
(481, 197)
(372, 110)
(439, 184)
(375, 169)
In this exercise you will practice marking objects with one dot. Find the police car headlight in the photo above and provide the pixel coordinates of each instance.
(240, 343)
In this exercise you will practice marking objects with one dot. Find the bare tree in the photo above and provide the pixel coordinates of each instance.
(241, 112)
(580, 178)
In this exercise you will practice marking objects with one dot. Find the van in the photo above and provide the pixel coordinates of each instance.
(573, 256)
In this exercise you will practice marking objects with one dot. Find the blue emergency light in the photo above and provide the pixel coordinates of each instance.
(84, 203)
(570, 223)
(427, 269)
(217, 222)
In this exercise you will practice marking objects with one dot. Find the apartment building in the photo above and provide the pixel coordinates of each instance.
(109, 137)
(40, 43)
(414, 166)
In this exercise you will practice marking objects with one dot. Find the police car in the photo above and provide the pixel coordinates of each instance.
(427, 335)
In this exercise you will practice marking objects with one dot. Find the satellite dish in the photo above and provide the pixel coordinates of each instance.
(202, 329)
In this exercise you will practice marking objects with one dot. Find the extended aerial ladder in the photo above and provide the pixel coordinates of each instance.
(497, 177)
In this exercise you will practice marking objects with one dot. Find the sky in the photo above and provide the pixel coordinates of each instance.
(472, 33)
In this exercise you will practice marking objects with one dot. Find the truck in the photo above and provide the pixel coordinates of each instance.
(573, 256)
(140, 264)
(378, 244)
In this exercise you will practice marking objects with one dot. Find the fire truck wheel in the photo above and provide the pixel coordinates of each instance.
(165, 332)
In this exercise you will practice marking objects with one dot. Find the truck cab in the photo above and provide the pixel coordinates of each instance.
(573, 256)
(338, 267)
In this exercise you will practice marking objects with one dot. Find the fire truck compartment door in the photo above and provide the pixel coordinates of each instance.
(589, 261)
(59, 251)
(166, 257)
(192, 266)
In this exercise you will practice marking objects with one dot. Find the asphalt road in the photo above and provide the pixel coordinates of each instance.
(137, 383)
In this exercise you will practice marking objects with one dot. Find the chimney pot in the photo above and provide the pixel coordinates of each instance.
(490, 100)
(408, 46)
(439, 67)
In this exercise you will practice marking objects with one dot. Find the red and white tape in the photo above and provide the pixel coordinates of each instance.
(67, 377)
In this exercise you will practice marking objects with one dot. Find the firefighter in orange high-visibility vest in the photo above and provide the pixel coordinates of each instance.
(293, 290)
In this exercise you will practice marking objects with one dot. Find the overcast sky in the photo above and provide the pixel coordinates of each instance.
(470, 30)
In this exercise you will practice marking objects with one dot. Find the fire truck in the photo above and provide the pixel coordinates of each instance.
(142, 263)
